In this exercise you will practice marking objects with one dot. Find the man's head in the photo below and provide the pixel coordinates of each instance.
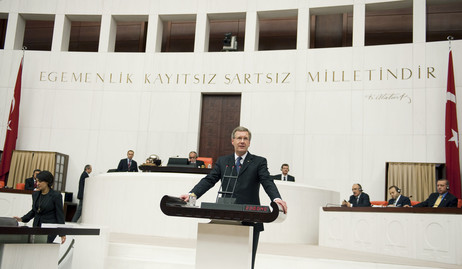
(130, 154)
(357, 189)
(36, 172)
(394, 192)
(240, 138)
(192, 156)
(285, 169)
(88, 168)
(442, 186)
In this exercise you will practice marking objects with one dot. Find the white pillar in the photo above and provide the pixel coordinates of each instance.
(201, 40)
(303, 29)
(359, 24)
(251, 31)
(61, 33)
(419, 21)
(14, 32)
(107, 34)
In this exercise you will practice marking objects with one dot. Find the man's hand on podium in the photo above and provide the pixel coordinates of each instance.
(282, 204)
(184, 197)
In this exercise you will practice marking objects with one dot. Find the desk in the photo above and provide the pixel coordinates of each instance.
(12, 254)
(432, 234)
(174, 169)
(122, 201)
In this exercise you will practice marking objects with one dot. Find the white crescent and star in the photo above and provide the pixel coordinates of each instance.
(454, 138)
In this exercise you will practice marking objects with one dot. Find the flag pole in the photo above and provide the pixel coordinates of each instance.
(449, 38)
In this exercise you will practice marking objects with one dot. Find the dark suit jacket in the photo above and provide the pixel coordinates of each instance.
(83, 176)
(29, 184)
(51, 208)
(254, 171)
(448, 201)
(123, 166)
(199, 164)
(402, 200)
(278, 177)
(363, 200)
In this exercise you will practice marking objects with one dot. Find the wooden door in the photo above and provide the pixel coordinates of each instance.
(220, 115)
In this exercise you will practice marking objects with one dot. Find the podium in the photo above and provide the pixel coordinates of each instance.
(224, 242)
(24, 247)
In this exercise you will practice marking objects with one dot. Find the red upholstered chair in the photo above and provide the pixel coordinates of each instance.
(459, 203)
(21, 186)
(379, 203)
(413, 203)
(208, 161)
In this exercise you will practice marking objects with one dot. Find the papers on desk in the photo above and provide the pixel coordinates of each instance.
(57, 225)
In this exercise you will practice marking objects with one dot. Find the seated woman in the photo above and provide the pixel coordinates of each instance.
(47, 205)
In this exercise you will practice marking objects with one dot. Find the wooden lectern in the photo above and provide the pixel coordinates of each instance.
(224, 242)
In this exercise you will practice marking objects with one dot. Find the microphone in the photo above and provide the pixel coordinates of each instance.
(225, 193)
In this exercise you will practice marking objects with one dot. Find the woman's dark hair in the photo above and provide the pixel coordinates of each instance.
(47, 177)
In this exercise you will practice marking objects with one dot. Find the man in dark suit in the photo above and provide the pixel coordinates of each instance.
(397, 199)
(86, 173)
(441, 198)
(193, 160)
(252, 170)
(31, 183)
(285, 174)
(359, 198)
(128, 164)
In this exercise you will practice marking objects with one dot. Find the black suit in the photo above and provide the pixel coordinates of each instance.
(30, 184)
(78, 212)
(46, 209)
(83, 176)
(278, 177)
(362, 202)
(402, 201)
(254, 171)
(448, 201)
(123, 166)
(199, 164)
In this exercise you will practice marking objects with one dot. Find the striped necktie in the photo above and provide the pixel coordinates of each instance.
(238, 164)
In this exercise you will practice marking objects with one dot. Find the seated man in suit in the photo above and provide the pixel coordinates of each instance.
(31, 183)
(441, 198)
(252, 172)
(128, 164)
(397, 199)
(193, 160)
(358, 199)
(285, 174)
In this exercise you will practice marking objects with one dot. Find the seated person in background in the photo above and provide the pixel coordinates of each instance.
(128, 164)
(193, 160)
(285, 174)
(358, 199)
(31, 183)
(397, 199)
(441, 198)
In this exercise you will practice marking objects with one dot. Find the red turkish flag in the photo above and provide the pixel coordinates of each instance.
(12, 128)
(452, 134)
